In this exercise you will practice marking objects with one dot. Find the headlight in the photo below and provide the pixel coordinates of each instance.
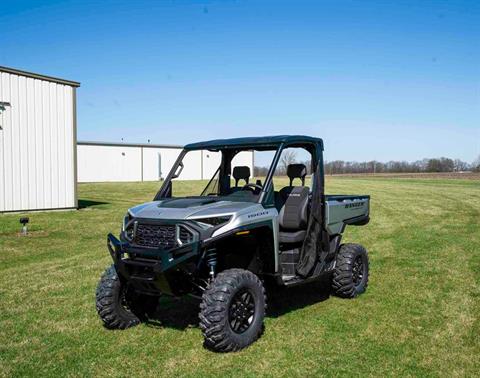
(126, 219)
(214, 221)
(127, 228)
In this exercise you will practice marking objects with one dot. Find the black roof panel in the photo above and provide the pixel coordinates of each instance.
(254, 142)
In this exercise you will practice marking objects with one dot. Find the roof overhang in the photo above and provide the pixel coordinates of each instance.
(115, 144)
(39, 76)
(255, 143)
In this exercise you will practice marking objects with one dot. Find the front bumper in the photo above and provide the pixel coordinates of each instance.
(152, 270)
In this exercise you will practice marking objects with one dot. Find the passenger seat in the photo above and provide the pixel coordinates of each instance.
(293, 216)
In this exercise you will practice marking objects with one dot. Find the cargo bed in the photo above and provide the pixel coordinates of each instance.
(341, 209)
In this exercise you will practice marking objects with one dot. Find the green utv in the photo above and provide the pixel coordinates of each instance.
(226, 243)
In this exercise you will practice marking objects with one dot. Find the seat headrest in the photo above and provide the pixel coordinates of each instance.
(296, 171)
(241, 173)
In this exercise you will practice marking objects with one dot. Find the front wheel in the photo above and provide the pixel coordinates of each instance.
(350, 277)
(119, 306)
(232, 311)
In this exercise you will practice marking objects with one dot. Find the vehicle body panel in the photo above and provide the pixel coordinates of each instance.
(339, 209)
(189, 207)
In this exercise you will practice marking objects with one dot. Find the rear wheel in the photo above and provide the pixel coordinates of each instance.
(350, 277)
(232, 311)
(118, 305)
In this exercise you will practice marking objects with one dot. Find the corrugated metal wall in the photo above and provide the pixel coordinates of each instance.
(158, 161)
(108, 163)
(101, 163)
(36, 144)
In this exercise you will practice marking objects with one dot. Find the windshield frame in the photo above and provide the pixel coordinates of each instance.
(166, 188)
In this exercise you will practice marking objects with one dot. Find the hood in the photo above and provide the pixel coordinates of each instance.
(187, 208)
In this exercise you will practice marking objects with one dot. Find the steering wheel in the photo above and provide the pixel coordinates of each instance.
(252, 187)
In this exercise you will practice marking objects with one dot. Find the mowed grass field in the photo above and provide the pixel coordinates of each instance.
(419, 316)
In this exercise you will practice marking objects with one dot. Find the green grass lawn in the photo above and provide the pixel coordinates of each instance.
(419, 316)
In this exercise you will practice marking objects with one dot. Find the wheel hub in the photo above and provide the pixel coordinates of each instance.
(357, 270)
(242, 310)
(124, 300)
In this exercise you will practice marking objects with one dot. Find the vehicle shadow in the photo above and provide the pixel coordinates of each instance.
(82, 204)
(182, 313)
(281, 302)
(177, 313)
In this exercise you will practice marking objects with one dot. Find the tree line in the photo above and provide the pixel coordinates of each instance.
(441, 164)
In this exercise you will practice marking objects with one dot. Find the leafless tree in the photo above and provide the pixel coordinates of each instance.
(459, 165)
(476, 164)
(288, 157)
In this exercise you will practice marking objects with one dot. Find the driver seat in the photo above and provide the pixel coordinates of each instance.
(293, 216)
(240, 173)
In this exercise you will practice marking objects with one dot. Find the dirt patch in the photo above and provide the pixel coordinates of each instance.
(33, 234)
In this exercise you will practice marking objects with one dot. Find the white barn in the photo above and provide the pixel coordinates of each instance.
(103, 161)
(37, 141)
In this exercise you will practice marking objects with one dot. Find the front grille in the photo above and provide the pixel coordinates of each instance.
(152, 235)
(161, 236)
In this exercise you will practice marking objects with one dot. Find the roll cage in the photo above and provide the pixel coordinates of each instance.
(231, 147)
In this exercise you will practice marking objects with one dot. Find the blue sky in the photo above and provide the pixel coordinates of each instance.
(377, 80)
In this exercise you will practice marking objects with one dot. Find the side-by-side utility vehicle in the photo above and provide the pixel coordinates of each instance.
(225, 244)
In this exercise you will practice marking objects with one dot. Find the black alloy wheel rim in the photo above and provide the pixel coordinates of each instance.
(242, 311)
(123, 300)
(357, 271)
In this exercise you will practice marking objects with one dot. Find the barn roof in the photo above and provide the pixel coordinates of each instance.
(39, 76)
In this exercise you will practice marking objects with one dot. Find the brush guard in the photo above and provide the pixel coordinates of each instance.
(153, 270)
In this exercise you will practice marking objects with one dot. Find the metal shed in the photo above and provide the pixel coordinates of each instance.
(117, 162)
(37, 141)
